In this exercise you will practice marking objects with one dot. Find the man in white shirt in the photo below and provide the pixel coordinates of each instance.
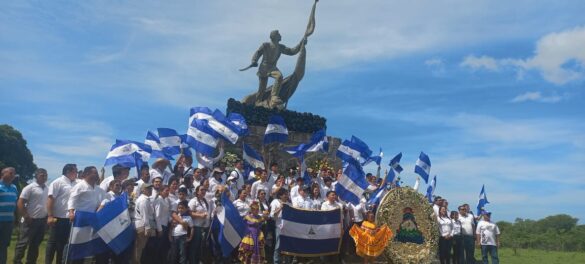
(144, 221)
(85, 195)
(276, 214)
(159, 170)
(57, 213)
(302, 201)
(273, 174)
(468, 235)
(144, 178)
(215, 181)
(262, 184)
(294, 191)
(157, 247)
(119, 172)
(488, 237)
(33, 211)
(331, 202)
(238, 174)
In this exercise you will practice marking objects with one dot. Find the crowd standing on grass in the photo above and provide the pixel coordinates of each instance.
(173, 211)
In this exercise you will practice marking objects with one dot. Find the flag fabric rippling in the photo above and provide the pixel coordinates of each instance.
(170, 141)
(83, 241)
(114, 226)
(482, 200)
(232, 227)
(431, 189)
(423, 166)
(201, 137)
(352, 184)
(276, 130)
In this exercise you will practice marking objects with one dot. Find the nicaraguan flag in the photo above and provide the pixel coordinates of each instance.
(351, 152)
(423, 166)
(365, 150)
(240, 122)
(84, 242)
(128, 153)
(395, 163)
(232, 227)
(391, 177)
(276, 130)
(376, 159)
(170, 141)
(217, 122)
(310, 233)
(482, 200)
(184, 146)
(352, 184)
(252, 160)
(153, 141)
(201, 137)
(431, 189)
(377, 195)
(318, 142)
(114, 226)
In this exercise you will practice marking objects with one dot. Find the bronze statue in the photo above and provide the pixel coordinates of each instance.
(278, 94)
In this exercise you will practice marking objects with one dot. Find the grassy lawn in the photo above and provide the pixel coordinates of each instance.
(507, 256)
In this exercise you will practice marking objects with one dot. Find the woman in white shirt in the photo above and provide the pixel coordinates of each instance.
(446, 232)
(241, 204)
(278, 184)
(315, 196)
(200, 211)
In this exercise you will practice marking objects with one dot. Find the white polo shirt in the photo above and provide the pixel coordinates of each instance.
(199, 206)
(60, 189)
(36, 200)
(85, 197)
(467, 223)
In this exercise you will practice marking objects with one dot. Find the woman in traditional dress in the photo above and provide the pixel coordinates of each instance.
(252, 246)
(370, 240)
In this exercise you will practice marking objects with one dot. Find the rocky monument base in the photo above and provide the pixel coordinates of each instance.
(301, 127)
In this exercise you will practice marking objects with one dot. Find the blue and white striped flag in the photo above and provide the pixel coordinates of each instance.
(217, 122)
(84, 242)
(395, 163)
(366, 152)
(201, 137)
(184, 146)
(276, 130)
(318, 142)
(128, 153)
(310, 233)
(352, 184)
(351, 152)
(377, 159)
(252, 160)
(170, 141)
(153, 141)
(114, 226)
(240, 122)
(377, 195)
(482, 201)
(232, 227)
(423, 166)
(431, 189)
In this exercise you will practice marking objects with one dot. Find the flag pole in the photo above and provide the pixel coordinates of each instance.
(69, 244)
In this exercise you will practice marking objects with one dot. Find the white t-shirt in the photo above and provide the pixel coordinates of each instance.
(302, 202)
(242, 206)
(488, 232)
(274, 205)
(179, 230)
(60, 189)
(467, 223)
(330, 206)
(445, 226)
(36, 200)
(259, 185)
(197, 206)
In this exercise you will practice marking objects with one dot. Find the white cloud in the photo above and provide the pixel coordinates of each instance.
(536, 97)
(559, 57)
(483, 62)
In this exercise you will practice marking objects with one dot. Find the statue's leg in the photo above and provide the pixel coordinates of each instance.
(263, 81)
(277, 75)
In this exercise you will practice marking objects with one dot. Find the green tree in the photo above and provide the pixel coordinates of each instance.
(15, 153)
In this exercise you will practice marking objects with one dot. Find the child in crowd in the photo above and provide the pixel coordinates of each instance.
(182, 234)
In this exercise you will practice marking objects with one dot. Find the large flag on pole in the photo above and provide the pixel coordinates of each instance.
(318, 142)
(352, 152)
(170, 141)
(122, 152)
(232, 227)
(482, 200)
(83, 241)
(310, 233)
(154, 142)
(431, 189)
(276, 130)
(201, 137)
(352, 184)
(217, 122)
(423, 166)
(114, 226)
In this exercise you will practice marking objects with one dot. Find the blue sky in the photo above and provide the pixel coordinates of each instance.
(492, 91)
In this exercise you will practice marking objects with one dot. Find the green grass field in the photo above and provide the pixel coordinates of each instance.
(507, 256)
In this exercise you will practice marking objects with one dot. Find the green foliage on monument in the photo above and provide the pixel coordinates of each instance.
(295, 121)
(15, 153)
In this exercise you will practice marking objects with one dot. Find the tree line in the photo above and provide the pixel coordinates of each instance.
(556, 232)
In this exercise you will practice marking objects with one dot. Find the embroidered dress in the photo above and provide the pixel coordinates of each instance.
(370, 241)
(252, 246)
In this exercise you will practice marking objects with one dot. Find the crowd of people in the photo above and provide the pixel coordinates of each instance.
(173, 208)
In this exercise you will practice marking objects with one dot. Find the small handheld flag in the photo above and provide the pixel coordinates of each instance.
(431, 189)
(423, 166)
(482, 200)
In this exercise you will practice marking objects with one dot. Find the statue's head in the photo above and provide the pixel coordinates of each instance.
(275, 35)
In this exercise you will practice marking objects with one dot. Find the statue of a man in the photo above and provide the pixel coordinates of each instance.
(270, 52)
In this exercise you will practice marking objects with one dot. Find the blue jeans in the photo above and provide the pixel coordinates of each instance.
(5, 234)
(179, 248)
(493, 251)
(277, 256)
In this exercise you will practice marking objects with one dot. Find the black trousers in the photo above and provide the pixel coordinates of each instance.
(444, 250)
(58, 238)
